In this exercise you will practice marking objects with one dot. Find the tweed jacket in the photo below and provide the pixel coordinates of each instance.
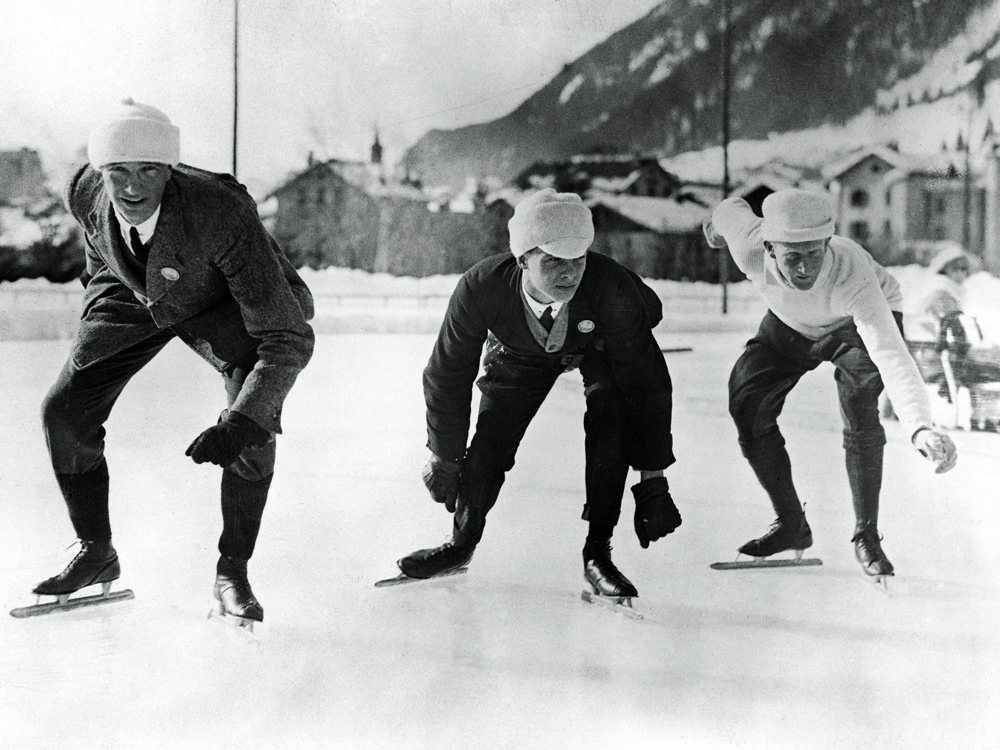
(214, 277)
(612, 312)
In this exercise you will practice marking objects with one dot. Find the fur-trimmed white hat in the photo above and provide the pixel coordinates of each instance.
(951, 253)
(558, 223)
(134, 132)
(794, 215)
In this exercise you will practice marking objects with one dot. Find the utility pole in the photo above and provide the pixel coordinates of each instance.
(725, 44)
(236, 76)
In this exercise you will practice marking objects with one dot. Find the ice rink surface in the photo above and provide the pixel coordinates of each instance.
(506, 656)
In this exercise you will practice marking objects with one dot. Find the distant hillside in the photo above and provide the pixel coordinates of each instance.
(653, 87)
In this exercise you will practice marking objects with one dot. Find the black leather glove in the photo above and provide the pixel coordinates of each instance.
(655, 512)
(441, 480)
(222, 443)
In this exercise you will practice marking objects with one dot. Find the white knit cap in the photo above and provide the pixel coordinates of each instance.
(134, 132)
(793, 215)
(953, 251)
(558, 223)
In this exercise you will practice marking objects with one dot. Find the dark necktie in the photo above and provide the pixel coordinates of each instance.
(138, 249)
(546, 319)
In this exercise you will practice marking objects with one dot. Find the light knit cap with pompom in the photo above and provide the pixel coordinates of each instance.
(558, 223)
(794, 215)
(134, 133)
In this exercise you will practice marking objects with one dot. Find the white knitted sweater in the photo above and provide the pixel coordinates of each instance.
(850, 286)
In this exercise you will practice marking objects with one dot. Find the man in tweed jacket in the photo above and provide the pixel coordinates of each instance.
(173, 251)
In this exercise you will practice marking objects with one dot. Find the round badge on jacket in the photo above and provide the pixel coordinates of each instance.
(170, 274)
(585, 326)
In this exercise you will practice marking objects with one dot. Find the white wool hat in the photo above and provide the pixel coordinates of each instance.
(794, 215)
(558, 223)
(134, 132)
(954, 251)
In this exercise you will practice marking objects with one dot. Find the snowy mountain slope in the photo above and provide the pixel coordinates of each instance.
(654, 85)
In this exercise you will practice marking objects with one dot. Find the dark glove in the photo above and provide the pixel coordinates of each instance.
(441, 480)
(222, 443)
(655, 512)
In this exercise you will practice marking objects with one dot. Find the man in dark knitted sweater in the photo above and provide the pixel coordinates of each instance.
(547, 308)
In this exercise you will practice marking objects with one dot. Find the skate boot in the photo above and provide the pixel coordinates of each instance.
(602, 575)
(783, 535)
(96, 562)
(233, 593)
(868, 550)
(428, 563)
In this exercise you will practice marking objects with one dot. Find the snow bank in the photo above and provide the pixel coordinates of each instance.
(349, 300)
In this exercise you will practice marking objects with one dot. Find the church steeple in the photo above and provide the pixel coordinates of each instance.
(376, 149)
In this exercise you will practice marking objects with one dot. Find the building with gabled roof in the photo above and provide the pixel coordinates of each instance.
(350, 214)
(657, 238)
(890, 202)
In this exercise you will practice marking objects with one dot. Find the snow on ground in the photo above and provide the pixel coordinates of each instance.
(353, 301)
(507, 656)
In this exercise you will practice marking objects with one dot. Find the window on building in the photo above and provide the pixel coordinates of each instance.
(302, 196)
(888, 197)
(859, 230)
(320, 195)
(940, 205)
(859, 198)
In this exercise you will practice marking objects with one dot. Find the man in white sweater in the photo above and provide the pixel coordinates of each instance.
(828, 301)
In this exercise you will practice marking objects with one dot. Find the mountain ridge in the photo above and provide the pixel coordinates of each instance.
(653, 86)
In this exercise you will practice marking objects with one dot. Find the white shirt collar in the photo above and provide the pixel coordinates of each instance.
(145, 229)
(539, 307)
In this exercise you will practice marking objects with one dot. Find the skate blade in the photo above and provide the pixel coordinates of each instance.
(620, 604)
(879, 581)
(402, 578)
(241, 626)
(65, 603)
(768, 562)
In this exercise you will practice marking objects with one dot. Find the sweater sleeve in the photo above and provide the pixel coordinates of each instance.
(640, 373)
(877, 327)
(451, 372)
(740, 226)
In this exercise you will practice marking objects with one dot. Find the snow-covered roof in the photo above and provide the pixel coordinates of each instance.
(614, 184)
(849, 161)
(664, 215)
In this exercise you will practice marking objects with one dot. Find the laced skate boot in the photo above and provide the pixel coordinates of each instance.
(96, 562)
(602, 575)
(233, 592)
(868, 550)
(427, 563)
(783, 535)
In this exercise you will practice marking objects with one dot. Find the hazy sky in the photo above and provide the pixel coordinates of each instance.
(315, 75)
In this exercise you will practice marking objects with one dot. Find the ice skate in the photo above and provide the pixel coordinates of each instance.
(95, 563)
(602, 575)
(868, 551)
(608, 585)
(235, 600)
(783, 535)
(435, 562)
